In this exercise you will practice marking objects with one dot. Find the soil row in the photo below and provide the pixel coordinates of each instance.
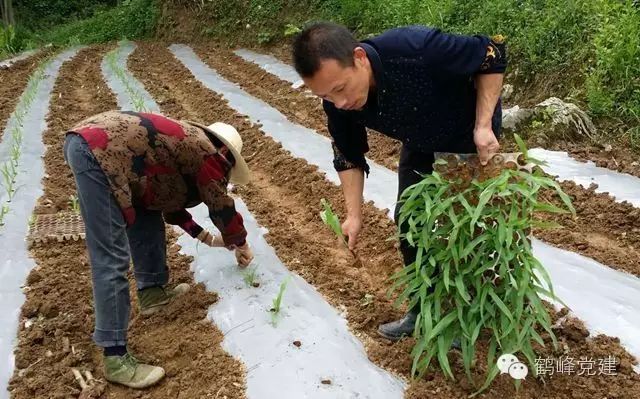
(284, 196)
(13, 81)
(604, 229)
(57, 317)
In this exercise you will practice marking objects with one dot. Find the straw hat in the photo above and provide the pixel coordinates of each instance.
(231, 138)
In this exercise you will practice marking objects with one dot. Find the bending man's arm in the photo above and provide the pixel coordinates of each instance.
(352, 181)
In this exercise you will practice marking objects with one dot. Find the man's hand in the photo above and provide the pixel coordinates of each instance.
(351, 229)
(244, 255)
(486, 143)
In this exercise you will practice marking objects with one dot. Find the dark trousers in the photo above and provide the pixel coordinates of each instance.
(111, 245)
(412, 164)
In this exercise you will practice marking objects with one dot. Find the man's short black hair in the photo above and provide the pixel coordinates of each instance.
(321, 41)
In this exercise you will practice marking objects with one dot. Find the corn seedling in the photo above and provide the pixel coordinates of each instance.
(8, 171)
(135, 96)
(475, 271)
(277, 302)
(8, 177)
(249, 276)
(3, 212)
(75, 203)
(331, 219)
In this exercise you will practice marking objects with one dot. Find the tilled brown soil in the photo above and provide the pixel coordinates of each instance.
(605, 230)
(13, 81)
(620, 157)
(59, 298)
(79, 93)
(284, 196)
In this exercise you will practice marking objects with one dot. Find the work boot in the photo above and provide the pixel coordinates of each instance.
(398, 329)
(404, 327)
(126, 370)
(153, 299)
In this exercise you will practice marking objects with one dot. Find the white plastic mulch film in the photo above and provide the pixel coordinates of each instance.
(16, 263)
(612, 294)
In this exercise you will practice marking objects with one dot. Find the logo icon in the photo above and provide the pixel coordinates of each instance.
(509, 364)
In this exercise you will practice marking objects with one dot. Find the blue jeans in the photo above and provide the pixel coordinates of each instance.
(112, 245)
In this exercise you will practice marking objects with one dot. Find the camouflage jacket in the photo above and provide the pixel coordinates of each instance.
(158, 163)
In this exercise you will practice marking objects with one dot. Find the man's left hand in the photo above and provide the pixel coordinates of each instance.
(486, 143)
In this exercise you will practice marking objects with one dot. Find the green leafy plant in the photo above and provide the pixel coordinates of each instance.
(265, 37)
(277, 302)
(291, 30)
(331, 219)
(475, 274)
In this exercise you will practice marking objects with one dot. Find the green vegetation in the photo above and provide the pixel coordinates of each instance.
(586, 50)
(594, 42)
(9, 169)
(131, 19)
(331, 220)
(475, 276)
(61, 23)
(277, 302)
(136, 96)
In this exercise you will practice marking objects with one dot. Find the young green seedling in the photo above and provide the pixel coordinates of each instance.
(277, 302)
(331, 219)
(249, 276)
(75, 204)
(3, 212)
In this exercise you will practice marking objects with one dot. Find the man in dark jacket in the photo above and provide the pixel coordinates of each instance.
(433, 91)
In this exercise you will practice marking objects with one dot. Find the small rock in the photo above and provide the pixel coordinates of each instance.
(507, 91)
(297, 343)
(255, 284)
(48, 353)
(49, 310)
(34, 277)
(326, 381)
(608, 148)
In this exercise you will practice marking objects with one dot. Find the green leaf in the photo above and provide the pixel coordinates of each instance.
(501, 305)
(522, 146)
(441, 325)
(461, 289)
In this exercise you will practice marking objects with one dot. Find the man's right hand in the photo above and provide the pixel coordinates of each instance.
(351, 229)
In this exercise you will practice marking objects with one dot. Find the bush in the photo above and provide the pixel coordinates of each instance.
(14, 40)
(132, 19)
(39, 15)
(613, 84)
